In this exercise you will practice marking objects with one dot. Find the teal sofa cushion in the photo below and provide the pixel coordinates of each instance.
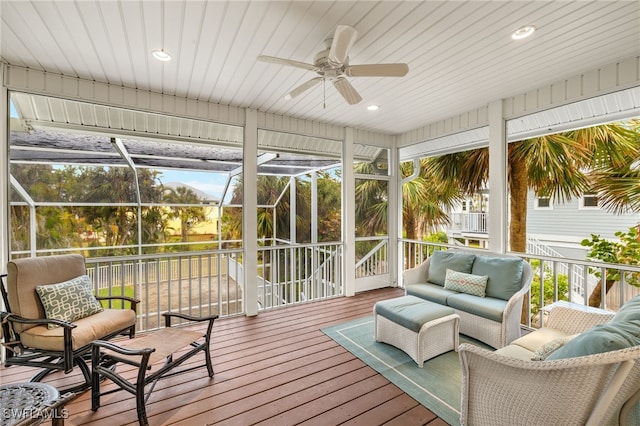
(485, 307)
(505, 275)
(629, 311)
(448, 259)
(431, 292)
(601, 338)
(411, 312)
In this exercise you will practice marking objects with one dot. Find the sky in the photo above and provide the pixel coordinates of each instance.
(211, 183)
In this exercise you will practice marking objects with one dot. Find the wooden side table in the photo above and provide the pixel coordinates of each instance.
(31, 404)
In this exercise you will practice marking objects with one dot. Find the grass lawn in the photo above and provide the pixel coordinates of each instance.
(116, 291)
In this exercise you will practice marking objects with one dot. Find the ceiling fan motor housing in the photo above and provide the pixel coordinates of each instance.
(322, 62)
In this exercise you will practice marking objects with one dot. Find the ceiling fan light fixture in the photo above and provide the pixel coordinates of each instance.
(161, 55)
(373, 107)
(523, 32)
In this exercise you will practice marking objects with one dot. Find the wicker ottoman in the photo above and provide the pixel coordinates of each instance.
(420, 328)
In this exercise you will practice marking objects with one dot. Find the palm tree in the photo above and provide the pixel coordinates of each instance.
(181, 197)
(425, 201)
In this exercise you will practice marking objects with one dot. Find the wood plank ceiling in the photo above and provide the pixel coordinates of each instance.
(460, 54)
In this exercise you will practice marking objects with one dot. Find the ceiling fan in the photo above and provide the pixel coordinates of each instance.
(332, 64)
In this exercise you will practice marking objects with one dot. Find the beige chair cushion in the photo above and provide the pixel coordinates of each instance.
(88, 329)
(515, 351)
(23, 275)
(533, 341)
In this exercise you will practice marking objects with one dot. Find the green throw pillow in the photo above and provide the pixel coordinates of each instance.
(601, 338)
(442, 260)
(465, 283)
(69, 300)
(505, 275)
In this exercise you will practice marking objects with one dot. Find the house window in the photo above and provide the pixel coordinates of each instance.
(589, 201)
(543, 203)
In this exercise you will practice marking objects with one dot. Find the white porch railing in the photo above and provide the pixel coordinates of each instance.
(297, 273)
(201, 283)
(578, 278)
(468, 222)
(197, 283)
(375, 261)
(204, 283)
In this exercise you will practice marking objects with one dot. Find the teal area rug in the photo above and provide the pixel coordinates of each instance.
(436, 386)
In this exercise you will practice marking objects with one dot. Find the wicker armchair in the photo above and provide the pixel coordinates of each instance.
(591, 390)
(26, 333)
(506, 387)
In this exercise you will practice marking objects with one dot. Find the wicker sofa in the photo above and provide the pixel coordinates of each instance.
(493, 318)
(582, 368)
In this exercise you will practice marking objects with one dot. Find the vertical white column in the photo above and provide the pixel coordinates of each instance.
(293, 212)
(348, 214)
(4, 185)
(314, 207)
(4, 176)
(250, 212)
(394, 224)
(498, 192)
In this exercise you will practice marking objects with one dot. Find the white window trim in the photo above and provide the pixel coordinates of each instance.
(581, 205)
(537, 207)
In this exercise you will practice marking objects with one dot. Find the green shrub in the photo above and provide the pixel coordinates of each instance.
(548, 286)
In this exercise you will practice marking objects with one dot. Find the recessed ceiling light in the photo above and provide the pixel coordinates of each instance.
(373, 107)
(523, 32)
(161, 55)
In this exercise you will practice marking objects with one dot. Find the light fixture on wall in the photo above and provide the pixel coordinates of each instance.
(523, 32)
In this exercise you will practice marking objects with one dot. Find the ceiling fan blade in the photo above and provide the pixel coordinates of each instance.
(347, 91)
(377, 70)
(304, 86)
(343, 39)
(288, 62)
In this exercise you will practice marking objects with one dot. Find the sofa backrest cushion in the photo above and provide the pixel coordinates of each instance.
(629, 311)
(601, 338)
(505, 275)
(442, 260)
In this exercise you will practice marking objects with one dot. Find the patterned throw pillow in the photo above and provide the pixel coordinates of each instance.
(466, 283)
(550, 347)
(69, 301)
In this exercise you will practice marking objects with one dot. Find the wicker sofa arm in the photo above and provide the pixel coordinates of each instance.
(416, 275)
(576, 320)
(511, 317)
(498, 389)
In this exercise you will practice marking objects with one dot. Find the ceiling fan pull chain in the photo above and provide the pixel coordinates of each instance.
(324, 93)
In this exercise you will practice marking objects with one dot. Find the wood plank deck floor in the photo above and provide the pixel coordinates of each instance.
(277, 368)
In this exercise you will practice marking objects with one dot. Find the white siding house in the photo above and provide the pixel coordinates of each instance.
(562, 226)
